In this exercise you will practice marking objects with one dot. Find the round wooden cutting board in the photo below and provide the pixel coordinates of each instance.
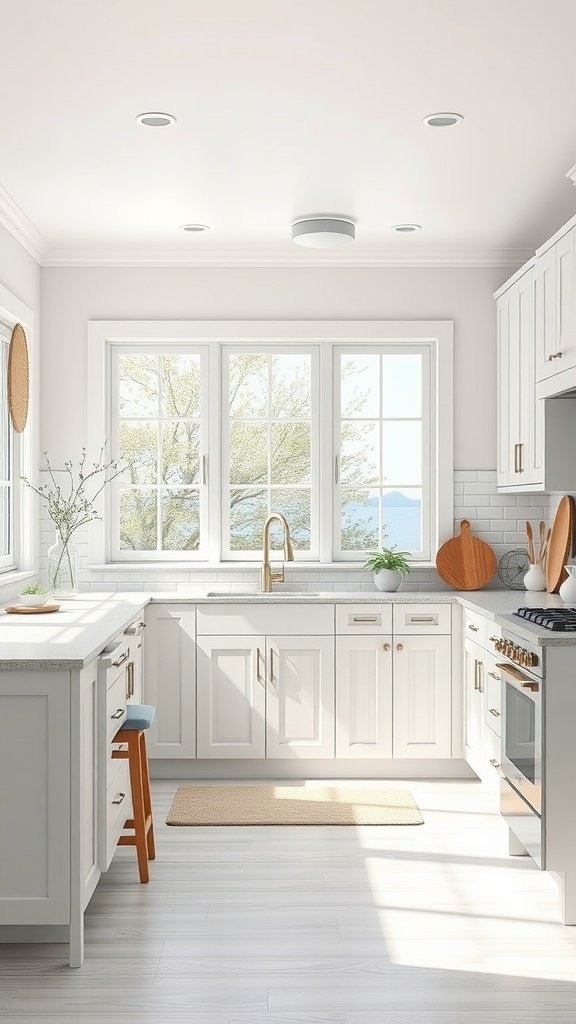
(465, 562)
(18, 379)
(560, 546)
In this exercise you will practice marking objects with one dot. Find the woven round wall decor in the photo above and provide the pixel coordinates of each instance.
(18, 379)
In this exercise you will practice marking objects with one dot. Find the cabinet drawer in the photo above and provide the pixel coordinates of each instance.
(118, 808)
(422, 619)
(255, 620)
(475, 626)
(115, 706)
(113, 763)
(114, 660)
(493, 691)
(363, 618)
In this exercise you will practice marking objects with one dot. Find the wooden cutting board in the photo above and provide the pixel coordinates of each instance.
(465, 562)
(23, 609)
(560, 546)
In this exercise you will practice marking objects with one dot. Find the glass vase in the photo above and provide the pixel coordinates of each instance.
(63, 568)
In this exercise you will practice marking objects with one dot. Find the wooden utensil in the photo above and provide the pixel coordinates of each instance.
(560, 544)
(465, 562)
(542, 535)
(23, 609)
(530, 543)
(18, 379)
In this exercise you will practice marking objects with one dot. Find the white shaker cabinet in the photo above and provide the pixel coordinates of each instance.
(422, 696)
(474, 706)
(170, 679)
(520, 423)
(300, 696)
(231, 702)
(553, 296)
(364, 696)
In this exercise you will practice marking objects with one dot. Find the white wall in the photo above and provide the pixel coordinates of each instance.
(72, 296)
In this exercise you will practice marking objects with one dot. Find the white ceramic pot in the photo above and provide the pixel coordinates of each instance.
(32, 600)
(568, 588)
(388, 580)
(535, 578)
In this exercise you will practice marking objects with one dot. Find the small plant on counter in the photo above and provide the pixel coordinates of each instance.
(388, 566)
(71, 505)
(34, 588)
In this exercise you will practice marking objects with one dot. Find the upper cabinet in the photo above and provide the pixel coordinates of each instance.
(536, 345)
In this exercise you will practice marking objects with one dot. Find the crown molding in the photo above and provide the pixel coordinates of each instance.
(254, 256)
(16, 222)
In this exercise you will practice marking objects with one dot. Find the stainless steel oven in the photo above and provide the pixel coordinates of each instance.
(521, 752)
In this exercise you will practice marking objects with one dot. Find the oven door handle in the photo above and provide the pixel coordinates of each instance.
(518, 676)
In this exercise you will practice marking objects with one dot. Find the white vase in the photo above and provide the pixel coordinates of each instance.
(388, 580)
(568, 588)
(63, 568)
(535, 578)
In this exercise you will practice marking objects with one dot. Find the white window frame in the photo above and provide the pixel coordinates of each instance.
(24, 521)
(429, 483)
(228, 555)
(437, 335)
(113, 519)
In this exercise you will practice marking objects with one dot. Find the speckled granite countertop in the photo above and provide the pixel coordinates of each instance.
(73, 636)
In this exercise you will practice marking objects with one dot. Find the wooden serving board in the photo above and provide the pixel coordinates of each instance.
(560, 546)
(23, 609)
(465, 562)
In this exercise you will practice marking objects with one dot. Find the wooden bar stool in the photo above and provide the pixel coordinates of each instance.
(133, 732)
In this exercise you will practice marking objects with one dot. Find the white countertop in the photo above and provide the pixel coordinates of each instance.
(71, 637)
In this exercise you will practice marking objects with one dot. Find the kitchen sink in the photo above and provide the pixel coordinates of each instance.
(258, 593)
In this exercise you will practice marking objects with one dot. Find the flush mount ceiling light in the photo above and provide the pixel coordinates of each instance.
(443, 120)
(406, 229)
(195, 228)
(323, 232)
(154, 119)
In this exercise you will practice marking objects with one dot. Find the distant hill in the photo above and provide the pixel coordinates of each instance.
(396, 500)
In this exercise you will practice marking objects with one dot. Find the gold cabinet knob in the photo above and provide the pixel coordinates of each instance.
(399, 647)
(386, 647)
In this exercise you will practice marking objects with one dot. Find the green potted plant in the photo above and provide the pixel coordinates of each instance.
(388, 566)
(33, 596)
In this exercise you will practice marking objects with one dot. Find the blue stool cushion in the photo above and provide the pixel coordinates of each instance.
(139, 716)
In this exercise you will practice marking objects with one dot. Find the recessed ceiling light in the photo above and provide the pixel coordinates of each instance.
(406, 229)
(443, 120)
(195, 228)
(323, 232)
(154, 119)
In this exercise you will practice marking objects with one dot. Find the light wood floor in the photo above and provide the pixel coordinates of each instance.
(407, 925)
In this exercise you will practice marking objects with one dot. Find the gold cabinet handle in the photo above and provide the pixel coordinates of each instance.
(258, 673)
(125, 656)
(495, 675)
(272, 668)
(494, 712)
(118, 799)
(521, 457)
(365, 618)
(118, 714)
(386, 647)
(475, 629)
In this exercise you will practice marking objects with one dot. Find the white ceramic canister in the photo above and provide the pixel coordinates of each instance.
(535, 578)
(568, 588)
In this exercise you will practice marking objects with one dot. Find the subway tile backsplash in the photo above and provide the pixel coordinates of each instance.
(498, 519)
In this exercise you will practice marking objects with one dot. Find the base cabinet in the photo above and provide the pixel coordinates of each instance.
(422, 698)
(231, 702)
(364, 696)
(170, 679)
(482, 685)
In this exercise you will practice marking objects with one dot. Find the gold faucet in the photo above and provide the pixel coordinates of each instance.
(268, 577)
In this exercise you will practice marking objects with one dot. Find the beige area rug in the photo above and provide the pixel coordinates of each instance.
(330, 804)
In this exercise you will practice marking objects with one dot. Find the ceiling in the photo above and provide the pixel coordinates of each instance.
(286, 110)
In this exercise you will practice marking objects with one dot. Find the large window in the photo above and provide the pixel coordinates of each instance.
(383, 442)
(158, 506)
(344, 428)
(7, 557)
(270, 444)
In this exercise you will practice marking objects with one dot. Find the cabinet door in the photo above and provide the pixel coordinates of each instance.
(508, 417)
(300, 696)
(566, 349)
(473, 699)
(364, 696)
(545, 315)
(170, 679)
(231, 696)
(422, 724)
(525, 387)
